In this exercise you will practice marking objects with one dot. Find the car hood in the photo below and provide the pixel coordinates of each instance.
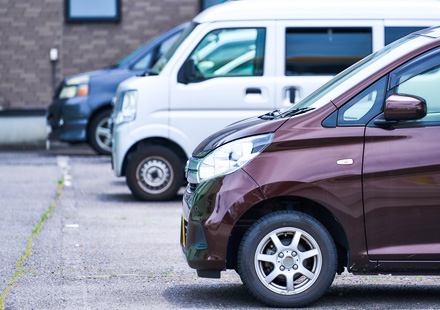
(244, 128)
(92, 74)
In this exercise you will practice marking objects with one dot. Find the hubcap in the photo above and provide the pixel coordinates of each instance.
(288, 261)
(103, 135)
(154, 175)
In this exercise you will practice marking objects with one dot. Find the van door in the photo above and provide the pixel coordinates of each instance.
(228, 75)
(310, 53)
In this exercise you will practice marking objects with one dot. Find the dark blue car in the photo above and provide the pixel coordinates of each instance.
(81, 108)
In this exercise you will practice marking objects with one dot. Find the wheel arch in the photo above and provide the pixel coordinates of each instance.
(106, 106)
(294, 203)
(154, 141)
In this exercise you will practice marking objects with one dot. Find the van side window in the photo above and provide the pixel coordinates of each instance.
(228, 52)
(325, 51)
(367, 104)
(394, 33)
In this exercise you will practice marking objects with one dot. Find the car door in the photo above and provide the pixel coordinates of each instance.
(401, 171)
(227, 76)
(312, 52)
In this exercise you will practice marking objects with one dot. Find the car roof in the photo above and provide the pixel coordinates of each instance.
(319, 9)
(433, 32)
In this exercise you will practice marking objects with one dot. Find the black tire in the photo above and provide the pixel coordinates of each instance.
(154, 173)
(282, 282)
(99, 135)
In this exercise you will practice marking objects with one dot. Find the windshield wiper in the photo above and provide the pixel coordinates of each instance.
(277, 114)
(271, 115)
(296, 111)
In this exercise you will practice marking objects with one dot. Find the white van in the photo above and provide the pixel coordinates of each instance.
(240, 59)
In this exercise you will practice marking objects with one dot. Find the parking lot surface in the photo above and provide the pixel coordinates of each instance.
(73, 237)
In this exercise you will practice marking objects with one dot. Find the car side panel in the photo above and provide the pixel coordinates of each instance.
(303, 160)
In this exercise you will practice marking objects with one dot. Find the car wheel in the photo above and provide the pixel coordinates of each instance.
(99, 135)
(287, 259)
(154, 173)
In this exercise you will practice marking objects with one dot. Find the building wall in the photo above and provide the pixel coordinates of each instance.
(29, 29)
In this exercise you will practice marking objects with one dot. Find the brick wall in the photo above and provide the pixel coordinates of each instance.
(29, 29)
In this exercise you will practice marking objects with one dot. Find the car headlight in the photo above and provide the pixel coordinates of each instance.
(228, 157)
(76, 86)
(126, 107)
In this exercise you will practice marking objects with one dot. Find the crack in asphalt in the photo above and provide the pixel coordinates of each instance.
(63, 164)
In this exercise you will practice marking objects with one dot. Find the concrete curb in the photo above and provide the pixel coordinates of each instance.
(23, 131)
(23, 128)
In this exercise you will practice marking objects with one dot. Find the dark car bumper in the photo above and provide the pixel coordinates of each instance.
(67, 120)
(210, 211)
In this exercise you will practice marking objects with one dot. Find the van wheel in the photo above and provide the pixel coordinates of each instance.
(99, 135)
(287, 259)
(154, 173)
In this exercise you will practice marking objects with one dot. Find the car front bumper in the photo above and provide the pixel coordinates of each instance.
(68, 119)
(209, 212)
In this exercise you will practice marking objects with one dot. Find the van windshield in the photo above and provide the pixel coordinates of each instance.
(313, 100)
(162, 62)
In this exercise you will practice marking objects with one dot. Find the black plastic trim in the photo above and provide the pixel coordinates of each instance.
(14, 112)
(213, 274)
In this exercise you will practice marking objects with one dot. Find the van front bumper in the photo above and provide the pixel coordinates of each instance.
(121, 143)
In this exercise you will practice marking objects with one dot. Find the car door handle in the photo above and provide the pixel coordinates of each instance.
(253, 91)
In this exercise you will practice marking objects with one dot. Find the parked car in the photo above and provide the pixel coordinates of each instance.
(82, 104)
(347, 178)
(240, 59)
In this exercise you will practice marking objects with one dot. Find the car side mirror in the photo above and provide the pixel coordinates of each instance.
(402, 108)
(188, 72)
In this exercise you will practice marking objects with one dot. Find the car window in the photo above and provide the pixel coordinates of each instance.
(420, 77)
(144, 62)
(230, 52)
(165, 46)
(363, 107)
(151, 57)
(424, 85)
(161, 63)
(325, 51)
(394, 33)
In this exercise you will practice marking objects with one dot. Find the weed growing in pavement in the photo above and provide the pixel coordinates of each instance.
(28, 250)
(169, 275)
(60, 186)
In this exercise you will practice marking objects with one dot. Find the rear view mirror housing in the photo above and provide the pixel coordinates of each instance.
(185, 72)
(404, 108)
(189, 72)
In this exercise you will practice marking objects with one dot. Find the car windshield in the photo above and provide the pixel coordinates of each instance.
(314, 99)
(161, 63)
(132, 55)
(139, 50)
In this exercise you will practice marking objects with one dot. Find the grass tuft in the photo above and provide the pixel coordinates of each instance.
(28, 250)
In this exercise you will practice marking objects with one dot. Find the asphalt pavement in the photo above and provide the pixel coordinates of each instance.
(73, 237)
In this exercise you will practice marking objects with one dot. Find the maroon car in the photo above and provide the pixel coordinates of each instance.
(347, 178)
